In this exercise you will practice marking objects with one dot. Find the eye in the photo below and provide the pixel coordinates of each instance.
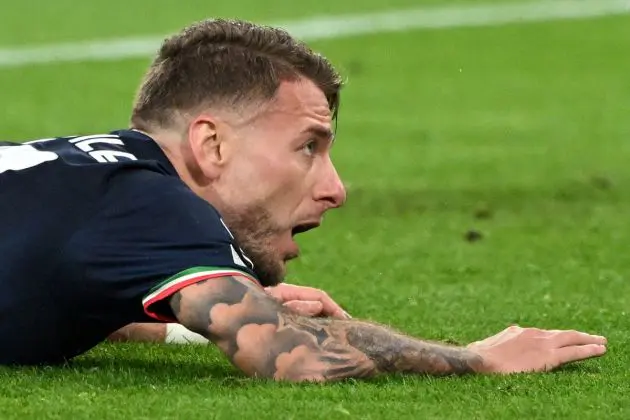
(310, 148)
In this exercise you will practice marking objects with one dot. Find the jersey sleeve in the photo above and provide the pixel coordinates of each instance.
(150, 236)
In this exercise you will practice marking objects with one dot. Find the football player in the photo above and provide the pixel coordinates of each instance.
(191, 213)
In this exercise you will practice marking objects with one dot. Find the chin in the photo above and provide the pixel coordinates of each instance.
(271, 274)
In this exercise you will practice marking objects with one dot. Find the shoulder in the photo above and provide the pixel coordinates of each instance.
(166, 199)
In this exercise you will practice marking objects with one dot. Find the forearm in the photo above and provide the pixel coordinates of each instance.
(156, 333)
(392, 352)
(140, 332)
(263, 339)
(326, 349)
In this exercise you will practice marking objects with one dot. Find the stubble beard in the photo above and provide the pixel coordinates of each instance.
(253, 230)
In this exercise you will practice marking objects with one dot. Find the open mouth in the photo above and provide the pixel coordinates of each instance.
(303, 227)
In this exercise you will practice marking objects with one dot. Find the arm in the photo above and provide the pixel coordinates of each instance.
(169, 333)
(263, 339)
(140, 332)
(306, 301)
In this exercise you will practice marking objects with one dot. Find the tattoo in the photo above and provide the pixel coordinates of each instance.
(262, 338)
(394, 352)
(175, 302)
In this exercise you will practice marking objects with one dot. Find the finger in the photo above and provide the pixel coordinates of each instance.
(330, 307)
(275, 292)
(305, 307)
(575, 338)
(575, 353)
(288, 292)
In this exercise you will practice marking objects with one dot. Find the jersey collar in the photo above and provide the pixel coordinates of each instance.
(147, 148)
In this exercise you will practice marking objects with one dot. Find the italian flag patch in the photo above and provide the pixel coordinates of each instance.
(180, 280)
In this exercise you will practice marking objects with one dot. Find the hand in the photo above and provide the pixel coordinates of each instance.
(307, 301)
(517, 349)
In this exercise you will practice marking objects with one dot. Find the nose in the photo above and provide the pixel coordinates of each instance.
(330, 188)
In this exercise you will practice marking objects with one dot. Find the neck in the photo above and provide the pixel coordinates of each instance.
(181, 157)
(174, 147)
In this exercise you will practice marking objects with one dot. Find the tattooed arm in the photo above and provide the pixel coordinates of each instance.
(264, 339)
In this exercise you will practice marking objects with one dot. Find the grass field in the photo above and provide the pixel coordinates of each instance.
(519, 132)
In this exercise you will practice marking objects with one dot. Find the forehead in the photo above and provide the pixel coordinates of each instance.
(299, 102)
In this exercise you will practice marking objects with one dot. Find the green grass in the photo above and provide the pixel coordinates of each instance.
(71, 20)
(524, 125)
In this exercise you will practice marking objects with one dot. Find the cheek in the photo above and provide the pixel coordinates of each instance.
(276, 178)
(248, 179)
(275, 181)
(284, 185)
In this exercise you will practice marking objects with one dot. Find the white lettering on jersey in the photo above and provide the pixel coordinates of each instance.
(103, 156)
(24, 156)
(97, 136)
(17, 158)
(85, 145)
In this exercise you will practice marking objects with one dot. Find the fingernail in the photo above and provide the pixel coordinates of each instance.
(347, 315)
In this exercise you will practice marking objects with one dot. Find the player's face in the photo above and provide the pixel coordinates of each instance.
(281, 181)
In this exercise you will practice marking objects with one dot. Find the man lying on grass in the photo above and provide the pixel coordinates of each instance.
(189, 215)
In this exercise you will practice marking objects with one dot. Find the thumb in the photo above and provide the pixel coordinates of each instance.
(305, 307)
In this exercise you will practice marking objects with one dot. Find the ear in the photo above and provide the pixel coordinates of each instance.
(206, 142)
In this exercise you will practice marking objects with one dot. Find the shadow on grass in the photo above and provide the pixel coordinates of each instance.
(577, 368)
(159, 366)
(134, 364)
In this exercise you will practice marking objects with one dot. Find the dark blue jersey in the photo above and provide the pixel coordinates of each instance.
(97, 232)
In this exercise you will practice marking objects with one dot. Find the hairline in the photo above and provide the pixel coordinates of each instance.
(248, 109)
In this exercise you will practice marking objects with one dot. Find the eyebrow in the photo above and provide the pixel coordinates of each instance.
(322, 132)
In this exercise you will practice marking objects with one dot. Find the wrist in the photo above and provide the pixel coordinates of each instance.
(479, 362)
